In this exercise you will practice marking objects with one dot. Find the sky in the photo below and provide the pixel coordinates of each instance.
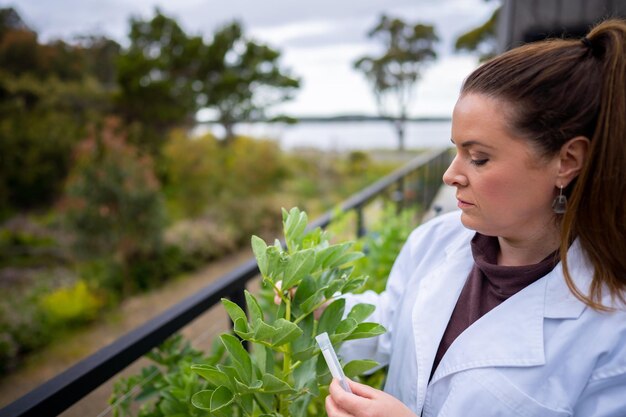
(318, 40)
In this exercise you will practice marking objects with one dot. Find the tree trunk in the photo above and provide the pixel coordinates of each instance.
(399, 125)
(230, 133)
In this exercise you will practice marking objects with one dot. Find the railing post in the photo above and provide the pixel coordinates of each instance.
(398, 195)
(238, 297)
(360, 222)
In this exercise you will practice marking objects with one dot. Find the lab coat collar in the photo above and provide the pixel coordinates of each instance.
(514, 328)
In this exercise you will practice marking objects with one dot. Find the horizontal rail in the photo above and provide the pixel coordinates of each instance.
(65, 389)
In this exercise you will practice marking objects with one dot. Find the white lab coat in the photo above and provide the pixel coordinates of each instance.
(540, 353)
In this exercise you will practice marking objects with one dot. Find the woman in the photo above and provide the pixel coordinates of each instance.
(515, 306)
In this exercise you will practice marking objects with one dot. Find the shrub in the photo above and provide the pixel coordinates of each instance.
(382, 244)
(71, 305)
(112, 200)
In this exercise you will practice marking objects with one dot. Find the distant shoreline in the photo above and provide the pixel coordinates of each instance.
(333, 119)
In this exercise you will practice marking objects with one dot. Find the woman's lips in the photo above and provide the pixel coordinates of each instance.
(463, 204)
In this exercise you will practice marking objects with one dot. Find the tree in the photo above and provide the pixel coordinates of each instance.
(394, 74)
(156, 75)
(481, 39)
(241, 78)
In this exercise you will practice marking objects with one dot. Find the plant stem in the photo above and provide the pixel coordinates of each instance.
(284, 403)
(260, 403)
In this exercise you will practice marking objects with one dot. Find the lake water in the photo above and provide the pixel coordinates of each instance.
(345, 136)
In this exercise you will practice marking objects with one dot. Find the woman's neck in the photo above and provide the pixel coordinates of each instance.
(530, 250)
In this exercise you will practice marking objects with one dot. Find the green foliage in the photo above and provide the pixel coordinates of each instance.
(194, 172)
(166, 75)
(41, 122)
(481, 39)
(393, 74)
(113, 200)
(166, 387)
(283, 374)
(382, 245)
(74, 304)
(202, 175)
(241, 78)
(156, 73)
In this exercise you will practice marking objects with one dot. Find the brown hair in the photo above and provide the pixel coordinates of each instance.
(559, 89)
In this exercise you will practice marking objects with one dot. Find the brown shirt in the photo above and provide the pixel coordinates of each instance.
(487, 286)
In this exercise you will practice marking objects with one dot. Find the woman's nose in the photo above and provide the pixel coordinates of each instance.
(453, 176)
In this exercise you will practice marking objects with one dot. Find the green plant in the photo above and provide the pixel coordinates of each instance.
(283, 374)
(74, 304)
(166, 386)
(382, 245)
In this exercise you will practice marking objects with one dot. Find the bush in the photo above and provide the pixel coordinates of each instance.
(201, 239)
(71, 305)
(112, 200)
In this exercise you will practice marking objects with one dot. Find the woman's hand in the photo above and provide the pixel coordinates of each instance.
(364, 402)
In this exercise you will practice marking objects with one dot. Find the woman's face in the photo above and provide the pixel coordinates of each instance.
(504, 187)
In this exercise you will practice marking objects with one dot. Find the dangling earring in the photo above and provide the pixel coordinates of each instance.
(559, 205)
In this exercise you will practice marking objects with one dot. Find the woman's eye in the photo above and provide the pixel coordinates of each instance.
(479, 162)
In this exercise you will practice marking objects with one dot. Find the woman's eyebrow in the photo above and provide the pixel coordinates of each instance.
(469, 143)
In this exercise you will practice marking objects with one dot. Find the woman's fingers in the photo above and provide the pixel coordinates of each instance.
(347, 402)
(333, 410)
(364, 401)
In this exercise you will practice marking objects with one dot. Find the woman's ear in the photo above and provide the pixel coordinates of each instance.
(572, 158)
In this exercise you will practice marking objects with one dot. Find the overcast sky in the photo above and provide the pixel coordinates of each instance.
(318, 39)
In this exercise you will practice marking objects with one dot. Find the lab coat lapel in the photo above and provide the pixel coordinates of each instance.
(514, 329)
(435, 301)
(509, 335)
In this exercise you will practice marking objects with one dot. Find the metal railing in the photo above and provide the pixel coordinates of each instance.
(416, 182)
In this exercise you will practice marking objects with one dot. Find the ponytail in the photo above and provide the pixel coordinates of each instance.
(597, 207)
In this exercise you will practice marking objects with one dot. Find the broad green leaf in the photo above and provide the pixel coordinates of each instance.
(285, 214)
(364, 330)
(304, 373)
(358, 367)
(272, 384)
(346, 258)
(254, 309)
(242, 388)
(230, 372)
(246, 401)
(214, 376)
(221, 398)
(234, 311)
(275, 264)
(334, 287)
(361, 311)
(353, 284)
(309, 304)
(343, 330)
(269, 361)
(287, 332)
(328, 256)
(300, 264)
(202, 399)
(241, 358)
(264, 331)
(241, 329)
(305, 290)
(306, 341)
(303, 355)
(331, 317)
(260, 252)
